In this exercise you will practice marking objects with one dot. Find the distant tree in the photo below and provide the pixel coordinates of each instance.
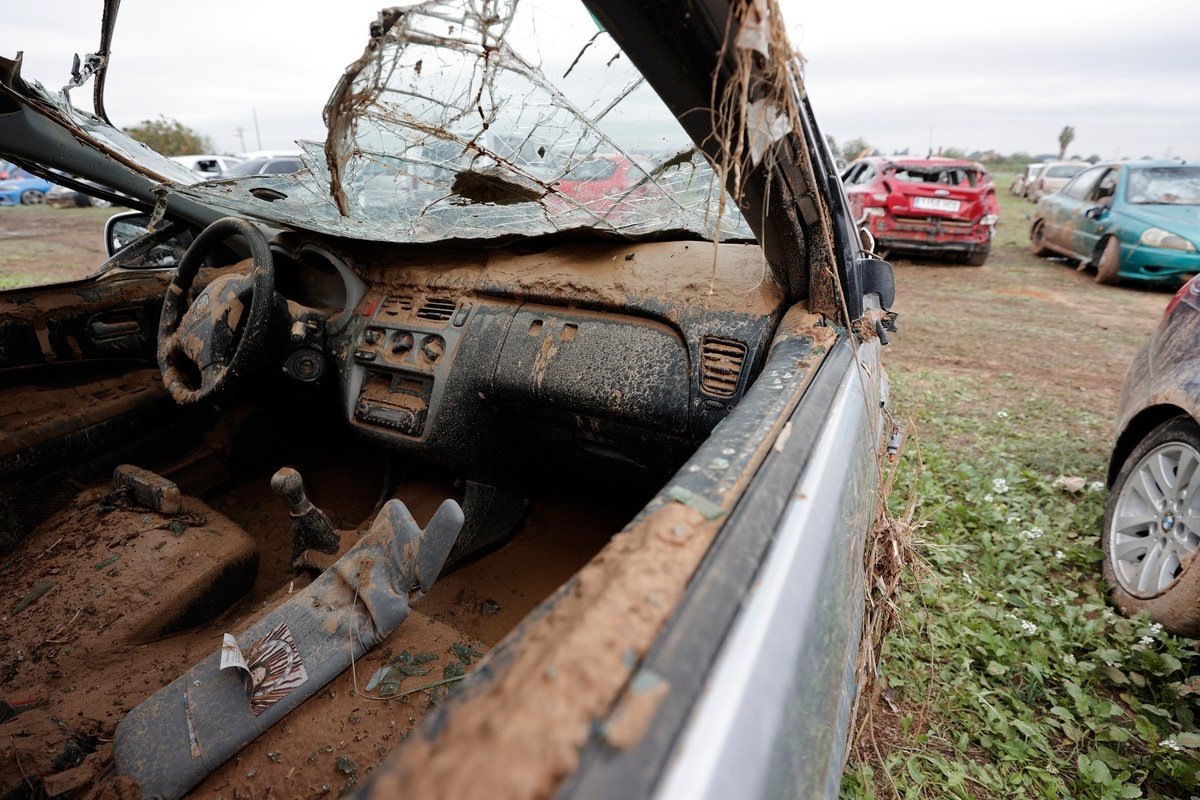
(170, 137)
(833, 148)
(951, 152)
(903, 152)
(855, 148)
(1065, 137)
(1093, 159)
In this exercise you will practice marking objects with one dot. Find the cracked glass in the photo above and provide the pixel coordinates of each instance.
(484, 119)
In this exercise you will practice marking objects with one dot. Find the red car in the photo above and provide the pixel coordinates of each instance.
(941, 206)
(600, 178)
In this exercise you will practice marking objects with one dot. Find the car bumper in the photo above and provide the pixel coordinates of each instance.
(929, 236)
(1154, 264)
(10, 198)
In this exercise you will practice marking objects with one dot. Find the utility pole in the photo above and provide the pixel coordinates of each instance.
(241, 138)
(257, 137)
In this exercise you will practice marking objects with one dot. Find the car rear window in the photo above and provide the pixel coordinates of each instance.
(948, 176)
(1164, 186)
(1065, 170)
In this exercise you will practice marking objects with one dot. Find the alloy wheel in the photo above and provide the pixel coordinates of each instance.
(1155, 528)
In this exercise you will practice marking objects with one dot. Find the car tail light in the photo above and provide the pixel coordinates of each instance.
(1189, 289)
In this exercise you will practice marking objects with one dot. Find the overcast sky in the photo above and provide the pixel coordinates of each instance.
(975, 76)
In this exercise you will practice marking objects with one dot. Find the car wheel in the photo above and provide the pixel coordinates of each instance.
(977, 256)
(32, 197)
(1108, 265)
(1037, 239)
(1152, 529)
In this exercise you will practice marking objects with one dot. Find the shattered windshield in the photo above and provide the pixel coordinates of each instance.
(481, 119)
(1164, 186)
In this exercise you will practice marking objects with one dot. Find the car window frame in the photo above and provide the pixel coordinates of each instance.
(1074, 185)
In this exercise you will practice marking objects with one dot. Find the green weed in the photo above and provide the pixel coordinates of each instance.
(1011, 676)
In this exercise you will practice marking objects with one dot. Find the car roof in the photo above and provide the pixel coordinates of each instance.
(1146, 163)
(930, 161)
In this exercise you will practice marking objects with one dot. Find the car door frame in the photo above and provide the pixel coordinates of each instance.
(1067, 210)
(1095, 221)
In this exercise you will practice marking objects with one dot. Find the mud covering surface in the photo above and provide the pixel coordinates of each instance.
(338, 736)
(565, 674)
(727, 277)
(60, 404)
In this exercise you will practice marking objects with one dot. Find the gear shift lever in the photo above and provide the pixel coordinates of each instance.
(311, 529)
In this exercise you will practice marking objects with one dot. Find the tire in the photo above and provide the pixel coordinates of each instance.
(1167, 589)
(1108, 264)
(978, 256)
(32, 197)
(1037, 239)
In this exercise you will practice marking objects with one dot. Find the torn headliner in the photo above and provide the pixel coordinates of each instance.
(444, 129)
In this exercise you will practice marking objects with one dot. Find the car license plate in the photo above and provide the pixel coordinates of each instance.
(936, 203)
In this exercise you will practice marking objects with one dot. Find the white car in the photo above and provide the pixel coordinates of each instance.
(211, 166)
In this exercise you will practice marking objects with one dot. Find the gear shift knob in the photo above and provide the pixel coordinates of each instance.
(288, 484)
(311, 529)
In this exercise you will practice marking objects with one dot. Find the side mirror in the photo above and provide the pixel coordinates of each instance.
(1096, 212)
(123, 228)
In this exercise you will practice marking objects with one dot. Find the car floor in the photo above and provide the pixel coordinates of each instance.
(77, 654)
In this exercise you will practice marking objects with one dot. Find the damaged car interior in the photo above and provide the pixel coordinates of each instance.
(427, 469)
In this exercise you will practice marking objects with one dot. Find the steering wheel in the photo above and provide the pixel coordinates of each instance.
(206, 345)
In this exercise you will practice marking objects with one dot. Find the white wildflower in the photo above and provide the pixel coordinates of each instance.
(1013, 520)
(987, 498)
(1156, 628)
(1028, 627)
(1172, 744)
(1002, 414)
(967, 578)
(1033, 533)
(999, 485)
(1113, 663)
(1096, 486)
(1069, 660)
(1146, 640)
(1060, 555)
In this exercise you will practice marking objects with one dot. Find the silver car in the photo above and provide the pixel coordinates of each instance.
(601, 463)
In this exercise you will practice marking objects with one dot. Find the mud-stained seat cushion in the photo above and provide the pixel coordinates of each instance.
(57, 404)
(123, 574)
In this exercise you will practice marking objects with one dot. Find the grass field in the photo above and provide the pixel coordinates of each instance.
(40, 244)
(1010, 675)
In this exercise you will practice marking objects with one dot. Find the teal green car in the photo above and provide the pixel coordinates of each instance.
(1137, 221)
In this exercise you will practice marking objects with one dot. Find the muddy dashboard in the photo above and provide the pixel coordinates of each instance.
(624, 353)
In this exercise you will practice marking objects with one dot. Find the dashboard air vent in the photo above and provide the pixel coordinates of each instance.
(723, 360)
(393, 307)
(438, 309)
